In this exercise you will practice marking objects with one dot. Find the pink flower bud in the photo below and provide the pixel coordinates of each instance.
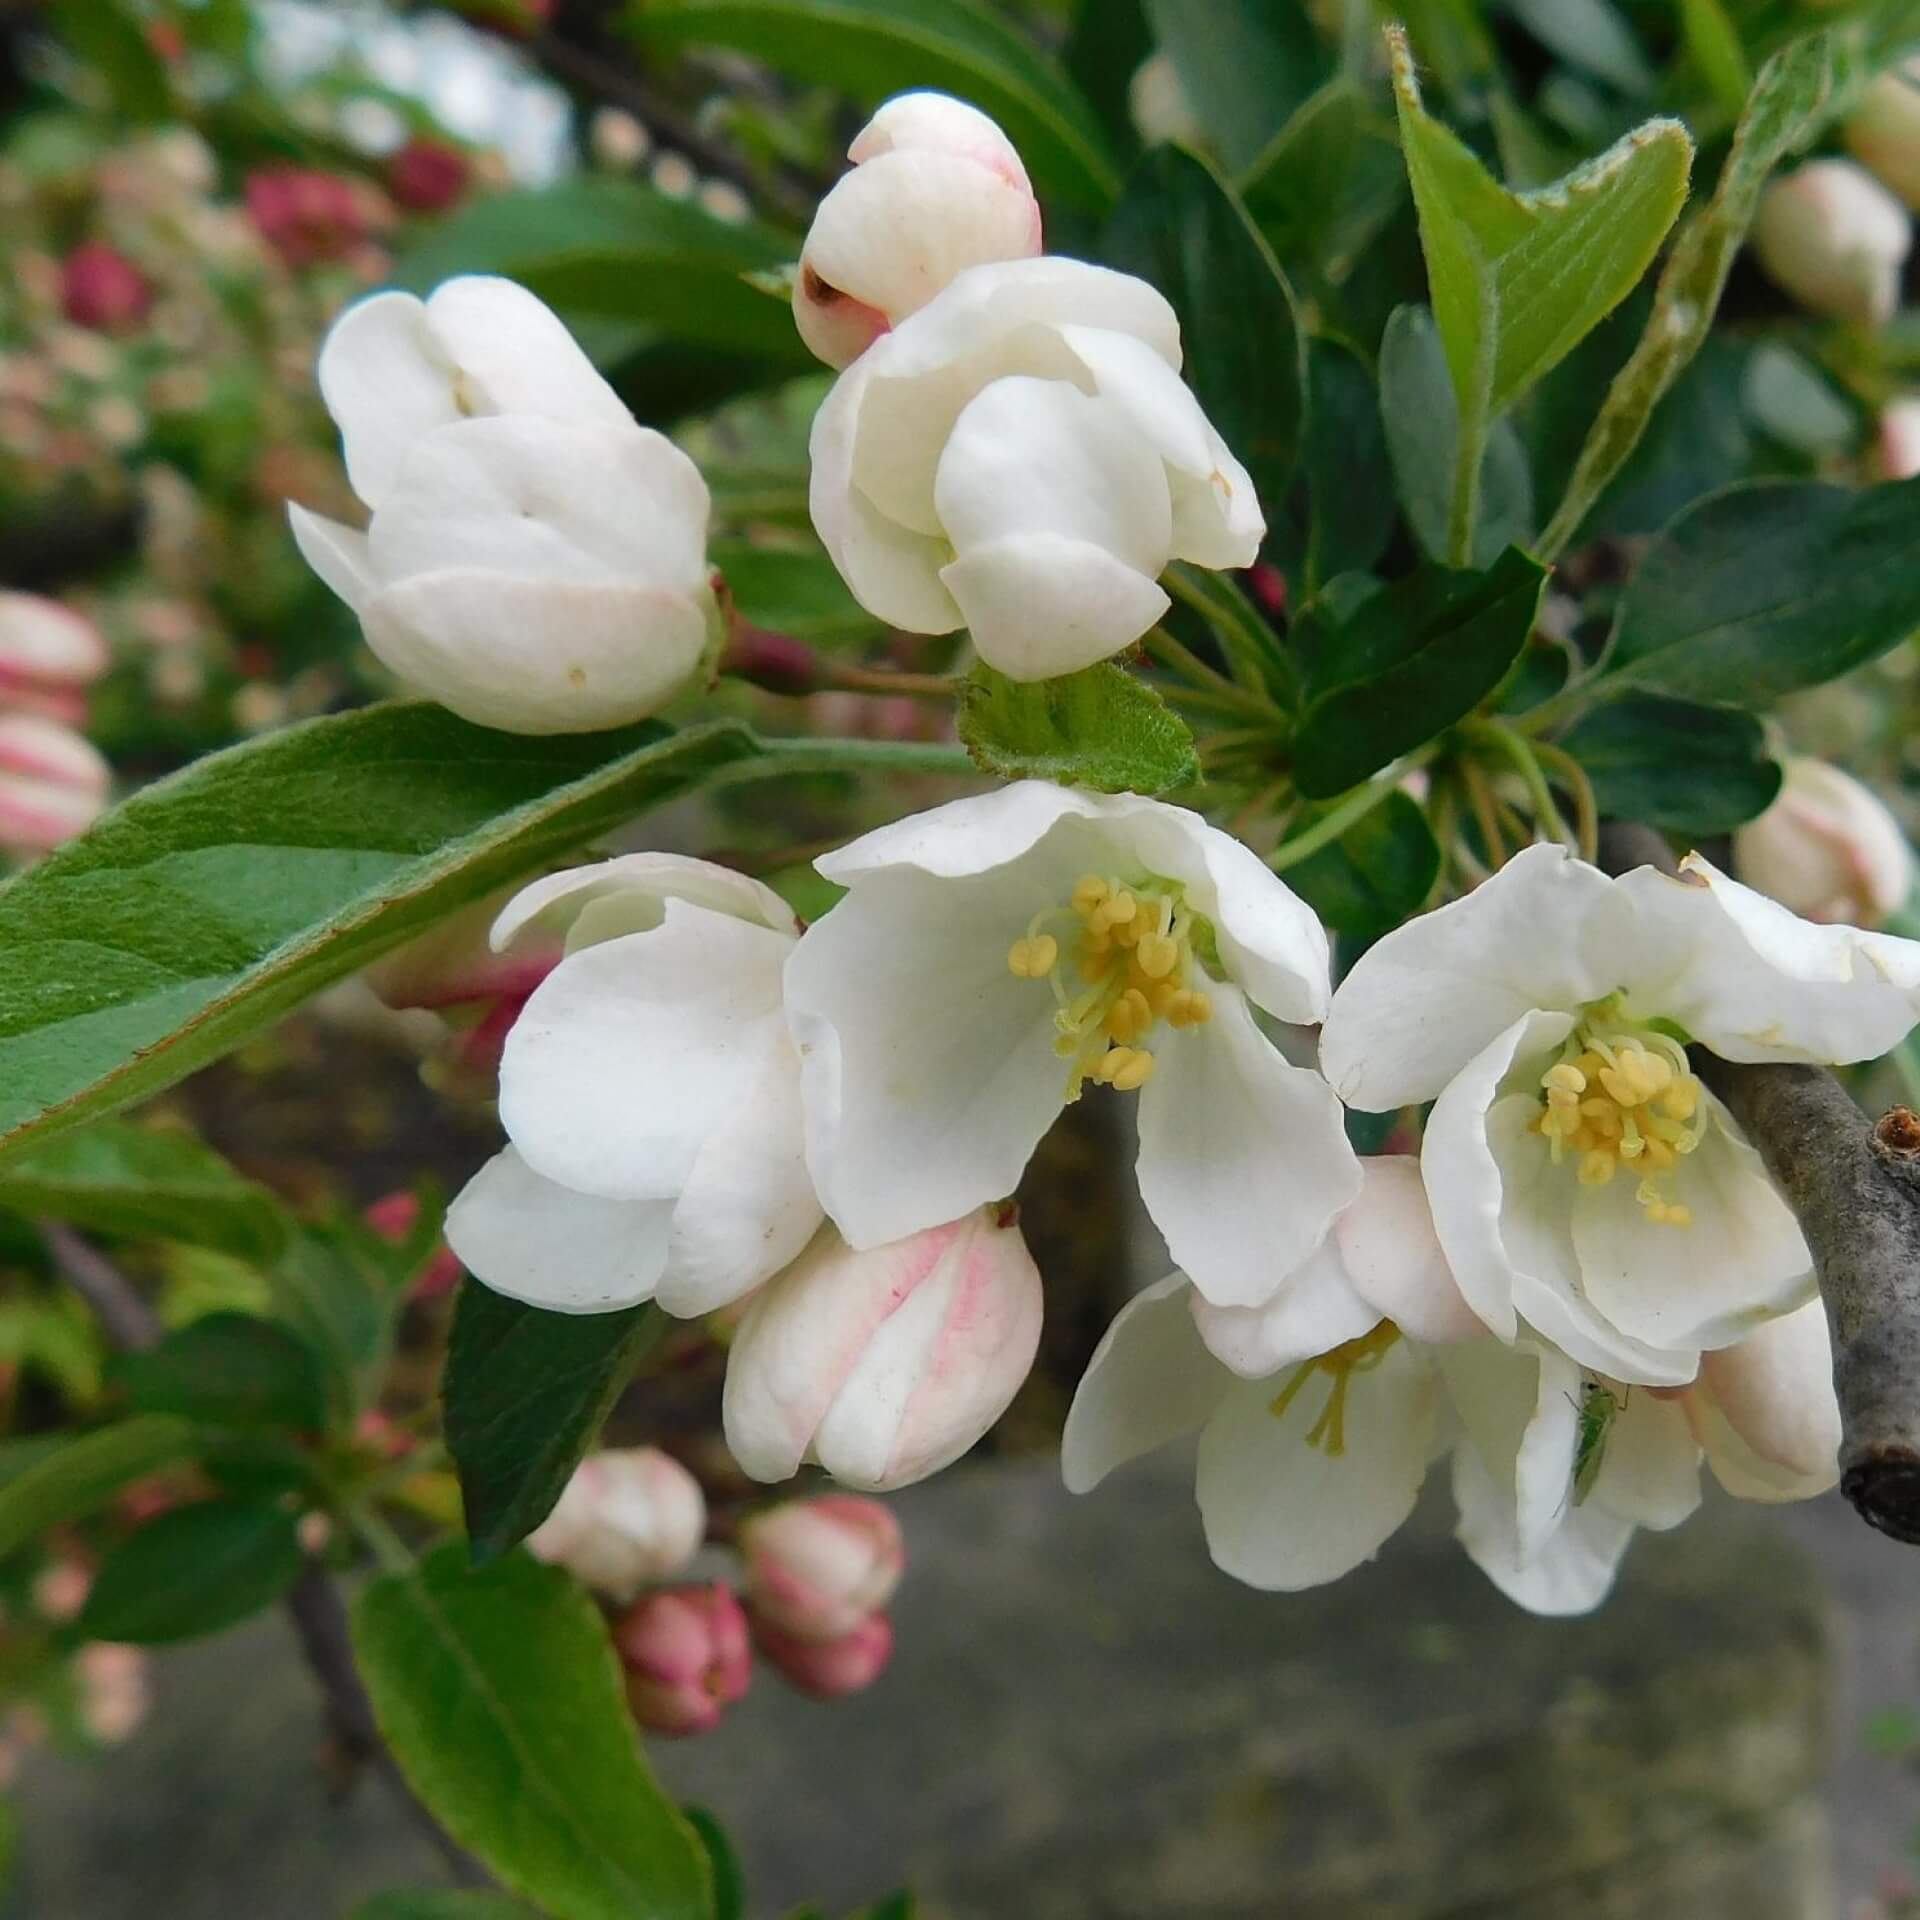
(817, 1568)
(687, 1657)
(887, 1364)
(49, 656)
(1899, 445)
(392, 1217)
(53, 784)
(114, 1693)
(626, 1517)
(61, 1590)
(1832, 236)
(428, 176)
(103, 289)
(306, 216)
(1827, 848)
(829, 1669)
(1884, 132)
(936, 188)
(455, 963)
(775, 661)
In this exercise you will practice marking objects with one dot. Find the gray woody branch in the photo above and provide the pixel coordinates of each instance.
(1854, 1185)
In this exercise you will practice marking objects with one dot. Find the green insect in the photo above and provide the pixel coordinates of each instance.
(1599, 1406)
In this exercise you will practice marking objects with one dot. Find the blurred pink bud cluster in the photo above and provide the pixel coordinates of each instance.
(819, 1575)
(53, 781)
(307, 216)
(392, 1217)
(102, 289)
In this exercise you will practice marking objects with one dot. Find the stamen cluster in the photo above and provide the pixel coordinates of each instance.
(1361, 1355)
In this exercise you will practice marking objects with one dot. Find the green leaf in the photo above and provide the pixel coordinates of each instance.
(442, 1906)
(617, 253)
(526, 1394)
(1714, 44)
(232, 1370)
(1423, 439)
(1591, 35)
(1763, 589)
(144, 1182)
(1674, 765)
(500, 1696)
(1245, 66)
(84, 1474)
(1101, 728)
(1105, 46)
(1349, 474)
(1790, 100)
(214, 901)
(793, 590)
(191, 1572)
(1377, 874)
(111, 42)
(729, 1882)
(1409, 662)
(1180, 226)
(873, 48)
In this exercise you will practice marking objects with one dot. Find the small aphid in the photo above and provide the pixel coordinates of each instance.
(1598, 1408)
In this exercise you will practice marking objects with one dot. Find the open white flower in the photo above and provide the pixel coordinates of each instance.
(1583, 1180)
(1020, 457)
(995, 954)
(651, 1095)
(536, 560)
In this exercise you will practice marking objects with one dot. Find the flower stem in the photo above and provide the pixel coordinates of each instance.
(1332, 824)
(1520, 754)
(791, 754)
(1174, 653)
(1249, 643)
(1586, 810)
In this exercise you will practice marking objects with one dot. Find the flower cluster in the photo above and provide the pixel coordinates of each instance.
(53, 781)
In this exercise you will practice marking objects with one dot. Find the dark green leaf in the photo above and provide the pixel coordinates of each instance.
(136, 1182)
(1101, 728)
(1349, 478)
(526, 1392)
(1411, 661)
(82, 1475)
(1377, 874)
(229, 1369)
(1180, 226)
(1714, 44)
(110, 40)
(1244, 66)
(794, 590)
(729, 1883)
(872, 48)
(1766, 588)
(1685, 768)
(1423, 435)
(1105, 47)
(500, 1696)
(212, 902)
(442, 1906)
(191, 1572)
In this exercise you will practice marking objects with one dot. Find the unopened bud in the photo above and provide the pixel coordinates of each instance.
(455, 964)
(936, 188)
(626, 1517)
(428, 176)
(1899, 442)
(1832, 236)
(617, 141)
(61, 1590)
(393, 1217)
(1884, 132)
(114, 1692)
(776, 661)
(828, 1669)
(1827, 848)
(103, 289)
(49, 657)
(817, 1568)
(1765, 1411)
(53, 784)
(306, 216)
(687, 1656)
(887, 1364)
(1158, 103)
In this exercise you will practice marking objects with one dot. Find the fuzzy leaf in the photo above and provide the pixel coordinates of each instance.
(1101, 728)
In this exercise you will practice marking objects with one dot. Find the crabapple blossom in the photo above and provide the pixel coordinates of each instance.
(687, 1657)
(49, 657)
(1584, 1182)
(817, 1568)
(53, 784)
(1021, 458)
(1832, 236)
(101, 288)
(1827, 848)
(996, 954)
(886, 1365)
(935, 187)
(536, 560)
(626, 1516)
(828, 1669)
(1883, 132)
(650, 1094)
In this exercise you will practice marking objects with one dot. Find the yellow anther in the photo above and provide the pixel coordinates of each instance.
(1564, 1078)
(1115, 911)
(1034, 957)
(1199, 1010)
(1679, 1215)
(1124, 1068)
(1597, 1167)
(1131, 1016)
(1088, 892)
(1681, 1099)
(1156, 955)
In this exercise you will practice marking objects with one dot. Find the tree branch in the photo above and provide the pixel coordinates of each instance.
(1855, 1189)
(129, 1323)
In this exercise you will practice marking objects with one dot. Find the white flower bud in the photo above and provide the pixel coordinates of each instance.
(53, 784)
(935, 187)
(625, 1518)
(536, 560)
(1827, 848)
(1832, 236)
(1884, 132)
(884, 1365)
(1899, 443)
(1765, 1410)
(1158, 103)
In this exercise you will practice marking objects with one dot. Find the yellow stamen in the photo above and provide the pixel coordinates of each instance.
(1034, 957)
(1329, 1430)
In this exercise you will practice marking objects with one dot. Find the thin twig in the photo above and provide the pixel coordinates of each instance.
(128, 1322)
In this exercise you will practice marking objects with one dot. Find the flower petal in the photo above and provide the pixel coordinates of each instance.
(1313, 1310)
(1244, 1160)
(1392, 1258)
(1765, 1410)
(1039, 605)
(514, 354)
(1571, 1574)
(629, 894)
(1283, 1515)
(1650, 1471)
(568, 1252)
(386, 382)
(339, 554)
(630, 1055)
(1547, 931)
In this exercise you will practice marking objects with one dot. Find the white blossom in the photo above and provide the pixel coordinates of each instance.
(1832, 236)
(1827, 848)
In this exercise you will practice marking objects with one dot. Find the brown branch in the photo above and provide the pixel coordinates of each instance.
(128, 1322)
(1855, 1189)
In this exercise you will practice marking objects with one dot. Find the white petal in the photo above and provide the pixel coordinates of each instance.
(551, 1247)
(1392, 1258)
(1766, 1412)
(927, 121)
(539, 657)
(1741, 1262)
(1519, 1407)
(628, 894)
(1545, 931)
(1244, 1158)
(1150, 1380)
(338, 554)
(386, 382)
(1650, 1471)
(1571, 1574)
(515, 355)
(1283, 1515)
(929, 1070)
(1312, 1311)
(1040, 605)
(631, 1054)
(967, 837)
(1755, 982)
